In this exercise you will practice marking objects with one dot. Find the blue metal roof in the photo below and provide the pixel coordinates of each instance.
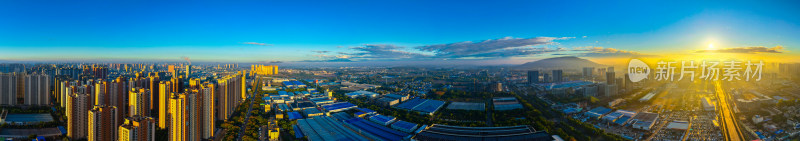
(337, 106)
(63, 130)
(297, 133)
(423, 105)
(294, 115)
(600, 110)
(382, 118)
(378, 130)
(622, 120)
(365, 110)
(404, 124)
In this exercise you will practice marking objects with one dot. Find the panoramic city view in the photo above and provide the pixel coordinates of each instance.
(399, 70)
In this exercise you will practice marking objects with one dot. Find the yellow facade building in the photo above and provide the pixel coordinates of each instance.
(177, 112)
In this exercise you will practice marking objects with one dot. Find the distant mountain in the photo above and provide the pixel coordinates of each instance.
(568, 62)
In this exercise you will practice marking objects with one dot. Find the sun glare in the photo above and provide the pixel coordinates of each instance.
(711, 46)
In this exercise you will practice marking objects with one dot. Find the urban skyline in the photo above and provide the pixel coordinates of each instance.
(399, 70)
(506, 32)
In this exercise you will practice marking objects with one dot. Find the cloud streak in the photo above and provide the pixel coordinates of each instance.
(486, 49)
(320, 51)
(491, 47)
(592, 51)
(745, 50)
(257, 43)
(381, 51)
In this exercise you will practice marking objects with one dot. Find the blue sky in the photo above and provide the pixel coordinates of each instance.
(384, 30)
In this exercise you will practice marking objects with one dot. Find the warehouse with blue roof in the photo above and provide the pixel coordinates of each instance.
(288, 84)
(422, 106)
(284, 107)
(367, 111)
(376, 130)
(404, 126)
(338, 107)
(381, 119)
(598, 112)
(294, 115)
(310, 112)
(324, 128)
(299, 84)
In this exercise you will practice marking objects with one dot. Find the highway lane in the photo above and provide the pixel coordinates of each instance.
(730, 126)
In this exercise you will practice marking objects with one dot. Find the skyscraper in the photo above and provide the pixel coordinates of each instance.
(208, 111)
(139, 102)
(263, 70)
(66, 90)
(533, 77)
(177, 112)
(165, 91)
(137, 128)
(610, 78)
(171, 70)
(153, 87)
(558, 76)
(587, 72)
(120, 94)
(37, 89)
(194, 115)
(77, 111)
(188, 71)
(102, 123)
(8, 89)
(230, 92)
(100, 93)
(194, 83)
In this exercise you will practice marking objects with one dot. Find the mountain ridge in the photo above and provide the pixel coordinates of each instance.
(566, 62)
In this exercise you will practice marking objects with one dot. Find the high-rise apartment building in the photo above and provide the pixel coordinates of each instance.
(188, 71)
(194, 115)
(177, 112)
(230, 92)
(587, 72)
(533, 77)
(8, 89)
(263, 70)
(37, 89)
(102, 123)
(77, 112)
(165, 92)
(153, 87)
(101, 95)
(139, 102)
(137, 128)
(119, 90)
(209, 117)
(558, 76)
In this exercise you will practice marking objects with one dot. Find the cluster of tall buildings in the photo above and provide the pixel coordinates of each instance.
(263, 70)
(132, 107)
(554, 77)
(606, 85)
(24, 89)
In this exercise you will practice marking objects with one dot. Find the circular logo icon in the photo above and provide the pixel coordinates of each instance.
(637, 70)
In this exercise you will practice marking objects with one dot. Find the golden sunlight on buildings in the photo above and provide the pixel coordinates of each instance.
(263, 69)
